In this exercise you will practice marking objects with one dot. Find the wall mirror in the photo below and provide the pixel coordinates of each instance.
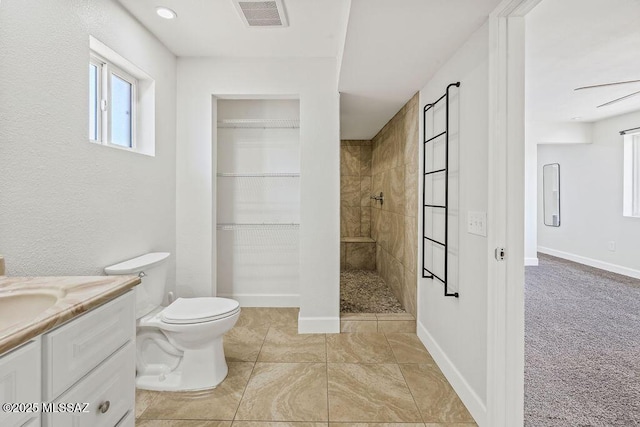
(551, 194)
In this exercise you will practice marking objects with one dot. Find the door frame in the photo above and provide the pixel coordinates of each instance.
(505, 300)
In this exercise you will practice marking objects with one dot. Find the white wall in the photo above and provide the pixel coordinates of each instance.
(455, 329)
(313, 81)
(559, 132)
(68, 206)
(591, 200)
(538, 132)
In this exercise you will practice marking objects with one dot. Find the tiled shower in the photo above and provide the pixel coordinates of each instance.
(357, 249)
(383, 236)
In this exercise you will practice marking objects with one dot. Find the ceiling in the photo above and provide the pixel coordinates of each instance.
(569, 44)
(392, 51)
(214, 28)
(388, 49)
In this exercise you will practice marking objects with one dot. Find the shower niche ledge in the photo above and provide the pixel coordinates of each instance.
(357, 240)
(357, 253)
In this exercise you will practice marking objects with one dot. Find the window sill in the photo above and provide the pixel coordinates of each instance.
(118, 147)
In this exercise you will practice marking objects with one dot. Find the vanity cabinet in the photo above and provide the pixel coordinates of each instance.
(108, 390)
(77, 347)
(88, 360)
(91, 359)
(20, 383)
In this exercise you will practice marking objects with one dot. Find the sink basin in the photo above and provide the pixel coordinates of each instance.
(22, 306)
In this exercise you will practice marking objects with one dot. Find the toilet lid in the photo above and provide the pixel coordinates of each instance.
(197, 310)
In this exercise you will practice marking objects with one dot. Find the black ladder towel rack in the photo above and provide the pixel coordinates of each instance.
(426, 273)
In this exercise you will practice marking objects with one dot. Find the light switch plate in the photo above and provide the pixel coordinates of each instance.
(477, 223)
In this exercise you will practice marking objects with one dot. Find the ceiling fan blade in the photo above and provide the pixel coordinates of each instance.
(619, 99)
(607, 84)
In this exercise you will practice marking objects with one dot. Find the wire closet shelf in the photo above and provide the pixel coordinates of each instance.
(258, 226)
(259, 123)
(258, 175)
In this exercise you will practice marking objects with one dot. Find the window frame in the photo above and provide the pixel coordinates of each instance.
(93, 60)
(106, 69)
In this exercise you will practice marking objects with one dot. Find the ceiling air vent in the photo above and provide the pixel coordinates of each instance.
(268, 14)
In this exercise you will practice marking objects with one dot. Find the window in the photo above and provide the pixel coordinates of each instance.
(94, 97)
(112, 104)
(632, 175)
(122, 101)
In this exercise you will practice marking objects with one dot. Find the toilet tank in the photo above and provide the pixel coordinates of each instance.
(152, 268)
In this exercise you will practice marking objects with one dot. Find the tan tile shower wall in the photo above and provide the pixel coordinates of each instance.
(355, 188)
(394, 224)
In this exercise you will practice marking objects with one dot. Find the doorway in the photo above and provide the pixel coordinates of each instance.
(581, 87)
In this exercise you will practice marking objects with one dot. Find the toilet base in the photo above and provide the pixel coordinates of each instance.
(199, 369)
(181, 357)
(169, 383)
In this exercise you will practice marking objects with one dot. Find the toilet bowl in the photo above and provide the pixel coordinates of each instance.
(180, 346)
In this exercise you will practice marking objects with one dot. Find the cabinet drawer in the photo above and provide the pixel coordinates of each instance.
(19, 381)
(75, 348)
(112, 384)
(32, 422)
(128, 420)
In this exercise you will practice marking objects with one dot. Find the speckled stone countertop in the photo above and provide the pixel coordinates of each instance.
(76, 295)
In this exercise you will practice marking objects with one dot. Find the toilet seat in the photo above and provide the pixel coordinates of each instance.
(198, 310)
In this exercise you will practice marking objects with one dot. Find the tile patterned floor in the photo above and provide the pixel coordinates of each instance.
(372, 377)
(377, 322)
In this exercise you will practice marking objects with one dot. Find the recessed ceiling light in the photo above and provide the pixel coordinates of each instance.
(166, 13)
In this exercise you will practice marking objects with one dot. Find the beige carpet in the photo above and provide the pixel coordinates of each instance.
(582, 346)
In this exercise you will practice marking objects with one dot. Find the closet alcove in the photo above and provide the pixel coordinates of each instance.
(258, 201)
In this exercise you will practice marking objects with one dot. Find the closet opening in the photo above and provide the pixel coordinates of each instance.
(257, 185)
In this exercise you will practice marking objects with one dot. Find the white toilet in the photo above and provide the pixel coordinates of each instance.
(179, 347)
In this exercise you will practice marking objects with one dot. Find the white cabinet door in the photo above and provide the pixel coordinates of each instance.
(20, 382)
(74, 349)
(109, 390)
(129, 420)
(32, 422)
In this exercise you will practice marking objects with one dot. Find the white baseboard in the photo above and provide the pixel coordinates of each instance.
(258, 300)
(530, 261)
(471, 400)
(614, 268)
(318, 325)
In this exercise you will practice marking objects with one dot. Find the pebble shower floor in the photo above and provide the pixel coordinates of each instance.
(364, 291)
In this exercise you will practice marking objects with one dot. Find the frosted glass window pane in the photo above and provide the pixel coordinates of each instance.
(93, 102)
(121, 123)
